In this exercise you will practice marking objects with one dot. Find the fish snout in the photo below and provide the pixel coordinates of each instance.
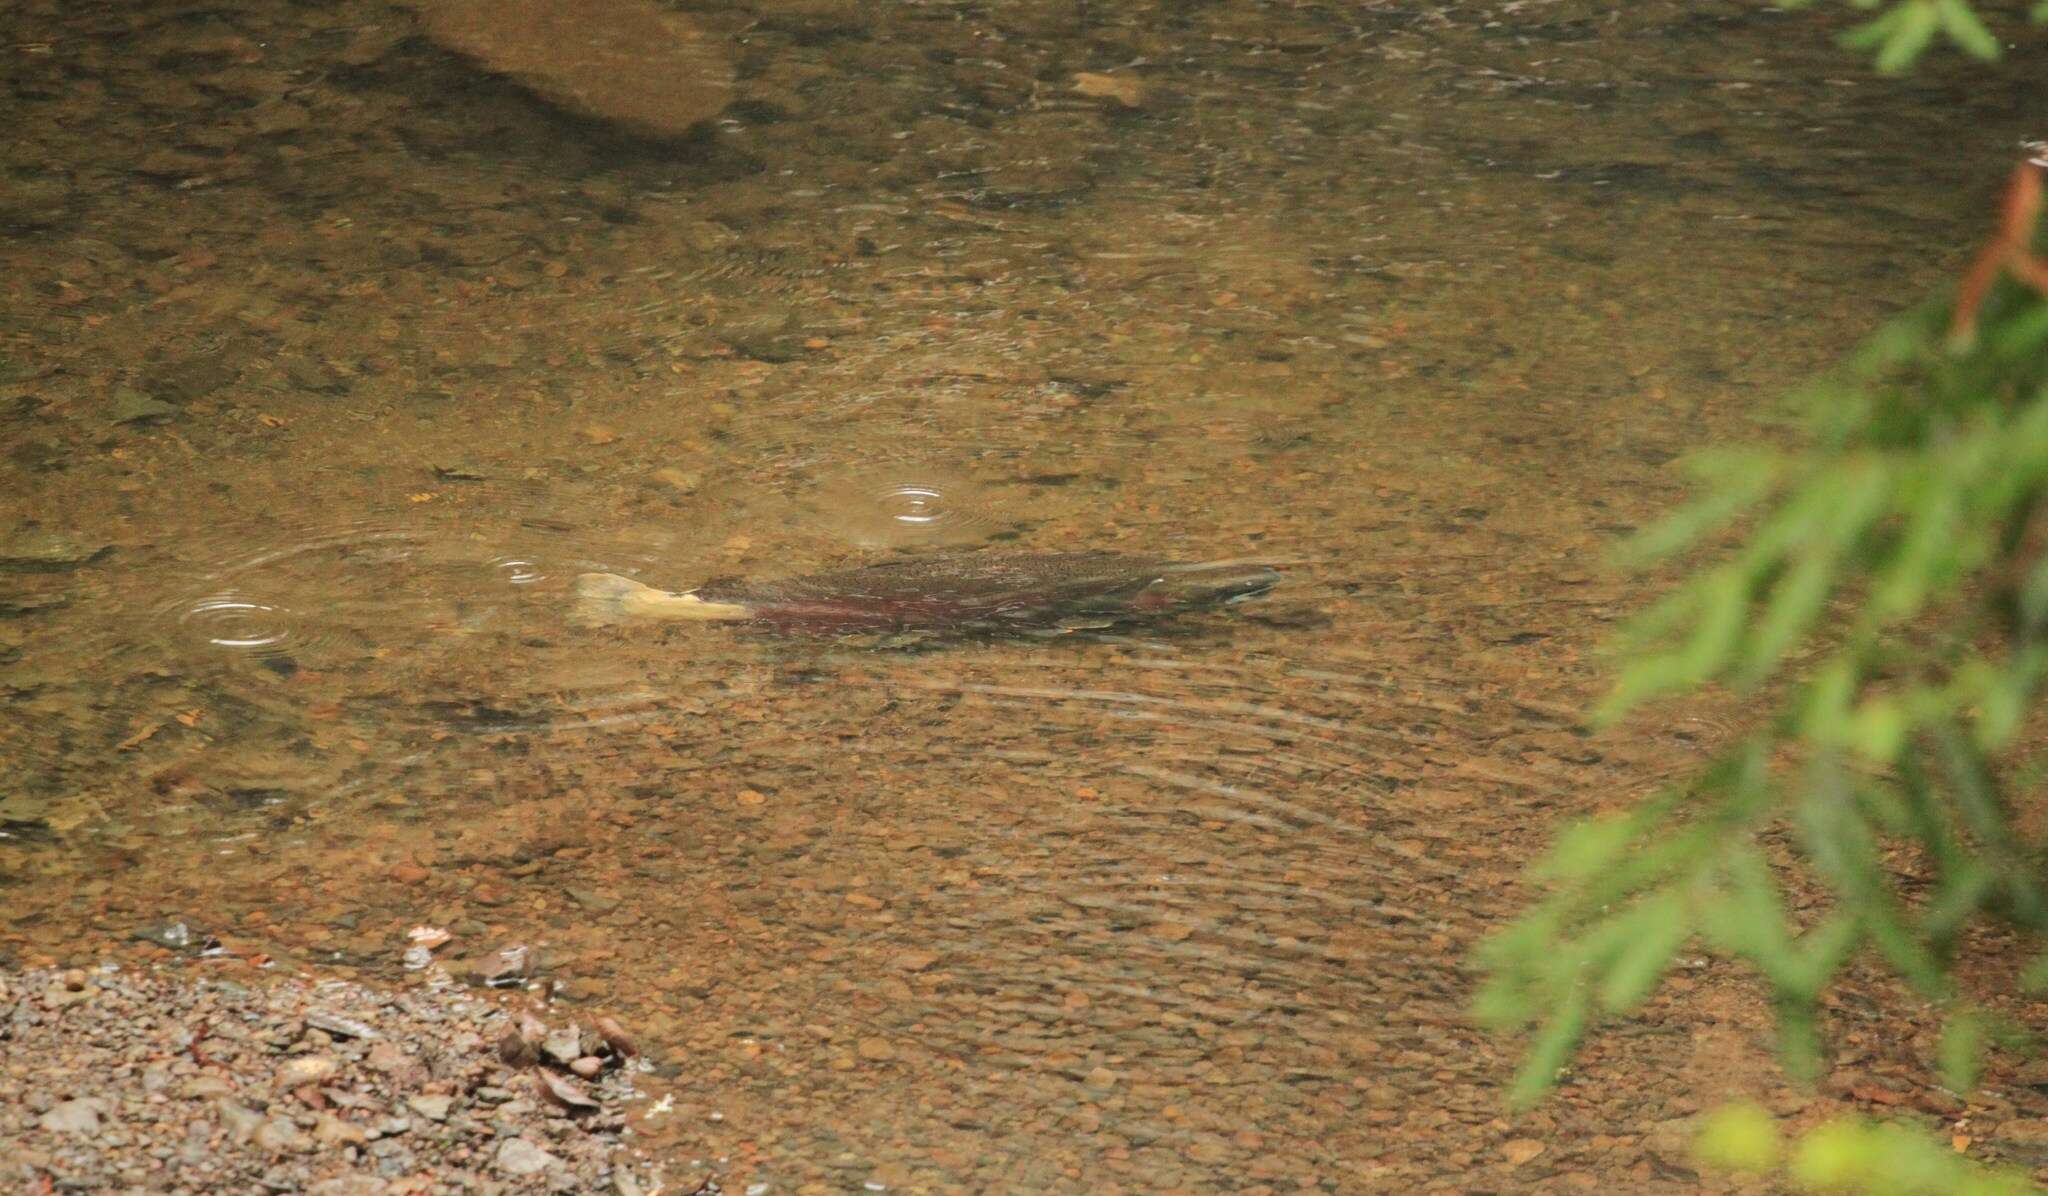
(1207, 585)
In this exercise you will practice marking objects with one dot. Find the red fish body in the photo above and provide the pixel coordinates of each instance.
(965, 590)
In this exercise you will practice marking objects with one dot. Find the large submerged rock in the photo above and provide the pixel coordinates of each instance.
(628, 61)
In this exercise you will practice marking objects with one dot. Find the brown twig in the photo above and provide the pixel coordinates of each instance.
(2010, 250)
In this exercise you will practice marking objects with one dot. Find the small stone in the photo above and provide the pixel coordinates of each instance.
(274, 118)
(594, 900)
(205, 1088)
(81, 1117)
(1518, 1151)
(507, 967)
(331, 1023)
(47, 550)
(2025, 1131)
(171, 936)
(633, 63)
(875, 1049)
(517, 1156)
(587, 1067)
(333, 1131)
(391, 1059)
(916, 961)
(1101, 1077)
(350, 1185)
(131, 406)
(240, 1121)
(279, 1136)
(433, 1108)
(164, 162)
(58, 997)
(564, 1046)
(515, 1050)
(306, 1069)
(1124, 89)
(429, 937)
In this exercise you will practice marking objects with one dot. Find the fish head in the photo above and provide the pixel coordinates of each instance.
(1215, 583)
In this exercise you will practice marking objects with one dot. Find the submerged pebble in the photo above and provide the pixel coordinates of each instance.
(88, 1096)
(33, 548)
(520, 1157)
(628, 61)
(80, 1117)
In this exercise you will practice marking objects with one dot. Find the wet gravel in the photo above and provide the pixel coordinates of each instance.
(127, 1081)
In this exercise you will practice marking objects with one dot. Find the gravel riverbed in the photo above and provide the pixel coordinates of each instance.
(120, 1080)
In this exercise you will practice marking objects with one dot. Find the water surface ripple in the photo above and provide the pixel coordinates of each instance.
(328, 360)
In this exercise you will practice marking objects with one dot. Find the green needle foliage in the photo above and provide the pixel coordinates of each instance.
(1903, 30)
(1849, 1154)
(1886, 604)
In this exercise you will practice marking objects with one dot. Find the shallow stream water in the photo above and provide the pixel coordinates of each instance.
(328, 358)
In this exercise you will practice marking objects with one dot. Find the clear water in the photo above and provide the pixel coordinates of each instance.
(328, 358)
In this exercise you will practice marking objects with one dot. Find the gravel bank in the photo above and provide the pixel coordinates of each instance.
(116, 1080)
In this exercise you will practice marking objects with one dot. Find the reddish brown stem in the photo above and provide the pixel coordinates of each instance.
(2009, 250)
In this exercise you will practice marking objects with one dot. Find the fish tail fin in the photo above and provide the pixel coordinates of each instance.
(602, 599)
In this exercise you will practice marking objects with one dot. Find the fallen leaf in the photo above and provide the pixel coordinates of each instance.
(564, 1092)
(615, 1038)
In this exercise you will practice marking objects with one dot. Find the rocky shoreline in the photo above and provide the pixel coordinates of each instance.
(118, 1079)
